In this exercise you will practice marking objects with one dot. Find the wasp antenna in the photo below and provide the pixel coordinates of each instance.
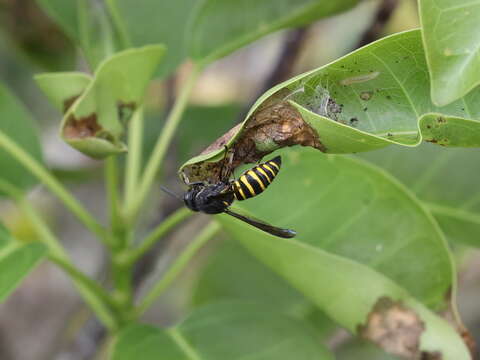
(169, 192)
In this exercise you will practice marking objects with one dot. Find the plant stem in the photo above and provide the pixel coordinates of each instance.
(162, 144)
(92, 293)
(53, 184)
(111, 187)
(207, 233)
(122, 278)
(134, 155)
(161, 230)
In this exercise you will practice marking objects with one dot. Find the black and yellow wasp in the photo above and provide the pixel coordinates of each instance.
(217, 198)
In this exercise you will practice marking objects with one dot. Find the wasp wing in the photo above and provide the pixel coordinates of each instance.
(283, 233)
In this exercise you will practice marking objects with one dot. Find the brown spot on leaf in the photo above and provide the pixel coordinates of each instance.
(425, 355)
(469, 341)
(452, 317)
(69, 102)
(441, 119)
(395, 328)
(274, 125)
(84, 127)
(366, 95)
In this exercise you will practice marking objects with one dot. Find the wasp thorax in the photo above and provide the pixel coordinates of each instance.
(210, 199)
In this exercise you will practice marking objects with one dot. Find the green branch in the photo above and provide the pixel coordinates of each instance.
(111, 189)
(161, 146)
(457, 213)
(134, 155)
(207, 233)
(161, 230)
(52, 184)
(94, 295)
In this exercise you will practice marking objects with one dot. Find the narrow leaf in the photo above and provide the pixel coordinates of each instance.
(221, 27)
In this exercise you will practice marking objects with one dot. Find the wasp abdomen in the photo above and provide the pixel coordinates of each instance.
(254, 181)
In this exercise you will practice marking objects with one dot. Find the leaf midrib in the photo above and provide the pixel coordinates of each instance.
(183, 344)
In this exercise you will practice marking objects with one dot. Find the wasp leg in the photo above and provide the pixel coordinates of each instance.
(196, 183)
(226, 169)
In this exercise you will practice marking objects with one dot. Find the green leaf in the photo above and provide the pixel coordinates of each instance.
(223, 331)
(155, 22)
(348, 213)
(349, 292)
(233, 274)
(94, 123)
(452, 44)
(352, 209)
(17, 123)
(373, 97)
(220, 27)
(17, 260)
(62, 89)
(450, 131)
(86, 24)
(445, 179)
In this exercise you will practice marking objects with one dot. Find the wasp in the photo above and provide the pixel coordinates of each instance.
(217, 198)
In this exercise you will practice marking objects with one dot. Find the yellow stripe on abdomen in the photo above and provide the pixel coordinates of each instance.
(243, 179)
(239, 191)
(264, 173)
(257, 179)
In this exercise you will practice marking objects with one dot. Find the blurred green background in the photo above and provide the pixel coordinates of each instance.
(45, 319)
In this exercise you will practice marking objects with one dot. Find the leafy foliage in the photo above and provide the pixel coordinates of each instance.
(224, 330)
(370, 255)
